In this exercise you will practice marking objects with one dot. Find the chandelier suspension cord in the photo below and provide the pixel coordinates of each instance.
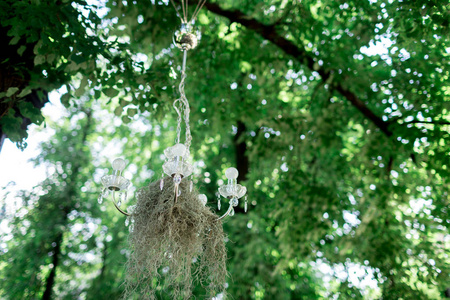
(184, 7)
(185, 101)
(178, 12)
(197, 9)
(181, 106)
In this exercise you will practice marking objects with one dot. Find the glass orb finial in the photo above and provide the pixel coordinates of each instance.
(118, 164)
(231, 173)
(187, 37)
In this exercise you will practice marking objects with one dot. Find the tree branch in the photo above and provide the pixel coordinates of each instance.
(427, 122)
(270, 33)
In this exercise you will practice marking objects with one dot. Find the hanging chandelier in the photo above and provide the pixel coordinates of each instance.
(174, 236)
(177, 164)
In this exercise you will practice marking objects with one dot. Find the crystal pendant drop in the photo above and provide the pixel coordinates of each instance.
(105, 192)
(119, 200)
(161, 184)
(127, 221)
(122, 198)
(191, 186)
(245, 205)
(130, 209)
(231, 212)
(100, 198)
(218, 204)
(177, 179)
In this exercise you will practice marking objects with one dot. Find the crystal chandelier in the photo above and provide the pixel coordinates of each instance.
(175, 239)
(177, 164)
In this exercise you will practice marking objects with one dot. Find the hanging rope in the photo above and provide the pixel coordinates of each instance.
(181, 105)
(197, 9)
(184, 7)
(177, 11)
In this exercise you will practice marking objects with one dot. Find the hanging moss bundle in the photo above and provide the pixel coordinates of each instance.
(174, 244)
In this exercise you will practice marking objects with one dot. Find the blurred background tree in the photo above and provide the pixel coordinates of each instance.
(336, 114)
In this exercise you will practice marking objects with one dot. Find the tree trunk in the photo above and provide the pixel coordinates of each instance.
(51, 277)
(50, 282)
(242, 162)
(241, 151)
(104, 257)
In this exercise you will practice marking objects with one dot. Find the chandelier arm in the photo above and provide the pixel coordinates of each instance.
(117, 207)
(227, 213)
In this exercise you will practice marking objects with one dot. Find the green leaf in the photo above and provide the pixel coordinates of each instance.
(39, 59)
(21, 50)
(37, 47)
(97, 94)
(31, 112)
(111, 92)
(80, 91)
(11, 126)
(65, 99)
(14, 40)
(131, 112)
(118, 111)
(245, 66)
(11, 91)
(24, 92)
(126, 119)
(51, 58)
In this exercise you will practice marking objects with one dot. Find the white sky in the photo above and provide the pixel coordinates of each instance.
(15, 164)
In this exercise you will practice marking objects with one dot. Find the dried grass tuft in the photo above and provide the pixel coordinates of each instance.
(173, 244)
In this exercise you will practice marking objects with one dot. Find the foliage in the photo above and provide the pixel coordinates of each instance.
(50, 43)
(53, 222)
(336, 114)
